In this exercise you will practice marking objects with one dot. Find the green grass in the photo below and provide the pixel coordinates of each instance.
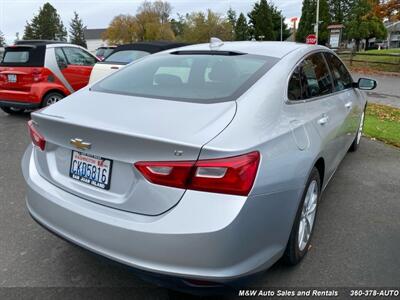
(384, 51)
(383, 123)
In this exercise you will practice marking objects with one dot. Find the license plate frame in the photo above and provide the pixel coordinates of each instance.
(92, 161)
(12, 78)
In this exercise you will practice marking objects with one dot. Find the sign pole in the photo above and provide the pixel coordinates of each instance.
(317, 22)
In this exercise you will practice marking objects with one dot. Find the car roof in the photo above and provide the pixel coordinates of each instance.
(273, 49)
(151, 47)
(38, 42)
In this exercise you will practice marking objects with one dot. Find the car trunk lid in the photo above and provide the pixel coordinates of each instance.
(126, 130)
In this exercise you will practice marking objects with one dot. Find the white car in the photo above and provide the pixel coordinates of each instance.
(125, 54)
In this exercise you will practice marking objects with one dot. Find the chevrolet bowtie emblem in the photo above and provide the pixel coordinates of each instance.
(80, 144)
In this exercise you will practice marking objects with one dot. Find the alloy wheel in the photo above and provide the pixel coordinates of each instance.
(307, 217)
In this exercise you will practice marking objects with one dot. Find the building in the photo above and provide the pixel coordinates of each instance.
(393, 38)
(93, 39)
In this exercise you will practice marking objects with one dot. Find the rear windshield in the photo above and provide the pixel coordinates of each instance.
(203, 78)
(104, 51)
(126, 56)
(16, 57)
(27, 56)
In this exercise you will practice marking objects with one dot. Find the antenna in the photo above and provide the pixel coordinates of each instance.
(215, 43)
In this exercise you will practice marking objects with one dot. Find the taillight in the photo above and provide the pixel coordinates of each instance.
(38, 76)
(232, 175)
(37, 139)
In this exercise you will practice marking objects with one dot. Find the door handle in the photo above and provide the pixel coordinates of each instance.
(348, 105)
(323, 120)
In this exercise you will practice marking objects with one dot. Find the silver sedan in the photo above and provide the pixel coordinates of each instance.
(205, 163)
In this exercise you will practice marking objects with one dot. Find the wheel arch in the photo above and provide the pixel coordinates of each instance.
(54, 90)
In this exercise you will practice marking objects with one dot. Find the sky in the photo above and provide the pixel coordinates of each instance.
(99, 13)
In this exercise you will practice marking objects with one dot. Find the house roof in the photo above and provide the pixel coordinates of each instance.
(395, 26)
(93, 34)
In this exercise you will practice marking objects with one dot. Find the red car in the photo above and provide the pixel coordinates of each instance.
(35, 74)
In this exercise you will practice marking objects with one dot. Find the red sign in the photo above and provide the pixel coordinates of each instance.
(311, 39)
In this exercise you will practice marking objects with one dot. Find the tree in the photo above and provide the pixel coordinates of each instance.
(364, 23)
(387, 9)
(122, 30)
(308, 19)
(277, 18)
(153, 21)
(200, 27)
(178, 25)
(28, 32)
(2, 39)
(242, 29)
(46, 25)
(76, 31)
(261, 21)
(232, 19)
(339, 10)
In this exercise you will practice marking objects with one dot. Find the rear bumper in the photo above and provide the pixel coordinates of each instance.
(218, 239)
(25, 105)
(21, 97)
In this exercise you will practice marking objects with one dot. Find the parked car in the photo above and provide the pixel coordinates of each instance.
(103, 52)
(35, 74)
(208, 165)
(125, 54)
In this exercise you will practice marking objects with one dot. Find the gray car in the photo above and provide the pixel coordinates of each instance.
(205, 163)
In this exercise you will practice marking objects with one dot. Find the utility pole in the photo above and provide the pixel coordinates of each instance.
(317, 22)
(281, 28)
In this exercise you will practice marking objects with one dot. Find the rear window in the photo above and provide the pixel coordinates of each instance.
(203, 78)
(16, 57)
(26, 56)
(126, 56)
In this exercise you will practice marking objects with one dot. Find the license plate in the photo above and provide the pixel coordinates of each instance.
(91, 169)
(12, 78)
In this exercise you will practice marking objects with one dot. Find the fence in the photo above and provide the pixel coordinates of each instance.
(380, 62)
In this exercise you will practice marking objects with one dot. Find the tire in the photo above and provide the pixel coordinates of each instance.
(51, 98)
(12, 110)
(297, 248)
(356, 143)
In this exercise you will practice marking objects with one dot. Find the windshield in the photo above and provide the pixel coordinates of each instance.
(190, 77)
(126, 56)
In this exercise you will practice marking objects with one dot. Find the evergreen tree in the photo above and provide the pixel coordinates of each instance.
(2, 39)
(308, 19)
(277, 18)
(28, 32)
(261, 21)
(46, 25)
(242, 29)
(76, 31)
(339, 10)
(232, 19)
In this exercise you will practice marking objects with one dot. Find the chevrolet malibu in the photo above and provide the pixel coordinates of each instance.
(205, 163)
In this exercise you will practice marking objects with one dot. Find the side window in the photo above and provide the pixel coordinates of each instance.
(294, 88)
(315, 77)
(76, 56)
(341, 77)
(61, 59)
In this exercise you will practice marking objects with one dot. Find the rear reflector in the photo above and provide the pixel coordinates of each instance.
(232, 175)
(37, 139)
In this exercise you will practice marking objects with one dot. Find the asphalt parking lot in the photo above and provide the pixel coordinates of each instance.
(356, 242)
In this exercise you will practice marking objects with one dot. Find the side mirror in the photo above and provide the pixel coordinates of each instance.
(366, 84)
